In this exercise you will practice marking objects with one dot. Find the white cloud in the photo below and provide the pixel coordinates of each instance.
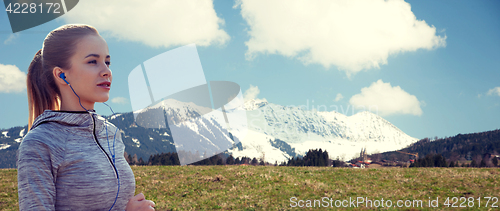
(494, 91)
(251, 93)
(11, 39)
(154, 22)
(12, 79)
(388, 100)
(119, 100)
(338, 97)
(351, 34)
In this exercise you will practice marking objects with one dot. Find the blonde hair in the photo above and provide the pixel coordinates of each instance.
(58, 47)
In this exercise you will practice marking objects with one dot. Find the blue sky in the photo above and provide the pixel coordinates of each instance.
(432, 68)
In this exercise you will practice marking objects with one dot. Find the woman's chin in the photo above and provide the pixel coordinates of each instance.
(102, 99)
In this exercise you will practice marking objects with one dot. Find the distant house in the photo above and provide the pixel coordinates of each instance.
(360, 164)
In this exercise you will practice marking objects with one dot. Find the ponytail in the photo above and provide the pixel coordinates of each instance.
(58, 47)
(43, 93)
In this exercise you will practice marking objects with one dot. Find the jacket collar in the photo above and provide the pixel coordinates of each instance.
(69, 118)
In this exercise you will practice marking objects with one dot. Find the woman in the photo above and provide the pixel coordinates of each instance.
(67, 159)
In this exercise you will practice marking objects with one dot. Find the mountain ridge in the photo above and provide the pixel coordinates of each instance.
(274, 132)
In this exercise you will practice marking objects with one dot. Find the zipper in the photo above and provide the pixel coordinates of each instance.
(102, 149)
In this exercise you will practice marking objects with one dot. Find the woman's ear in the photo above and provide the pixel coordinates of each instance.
(59, 76)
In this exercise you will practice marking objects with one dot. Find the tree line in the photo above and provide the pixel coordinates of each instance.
(172, 158)
(316, 157)
(437, 160)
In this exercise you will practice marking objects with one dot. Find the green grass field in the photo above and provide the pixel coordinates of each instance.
(271, 188)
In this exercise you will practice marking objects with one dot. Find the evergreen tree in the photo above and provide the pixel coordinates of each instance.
(130, 160)
(312, 158)
(423, 163)
(219, 161)
(245, 160)
(164, 159)
(254, 161)
(337, 163)
(473, 163)
(141, 162)
(230, 160)
(483, 163)
(134, 160)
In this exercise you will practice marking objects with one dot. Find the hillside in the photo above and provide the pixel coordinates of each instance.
(459, 147)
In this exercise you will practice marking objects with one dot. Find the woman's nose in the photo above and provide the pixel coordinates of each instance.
(106, 72)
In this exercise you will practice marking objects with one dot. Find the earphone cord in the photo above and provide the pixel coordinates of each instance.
(79, 101)
(107, 138)
(114, 137)
(113, 153)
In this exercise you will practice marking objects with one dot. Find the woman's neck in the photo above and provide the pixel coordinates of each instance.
(73, 105)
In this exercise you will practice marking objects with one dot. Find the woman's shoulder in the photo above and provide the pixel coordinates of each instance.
(42, 144)
(46, 134)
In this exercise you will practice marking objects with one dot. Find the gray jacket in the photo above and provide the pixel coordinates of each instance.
(64, 163)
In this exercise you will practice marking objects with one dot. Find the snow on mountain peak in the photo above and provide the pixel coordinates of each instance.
(298, 128)
(255, 104)
(333, 131)
(367, 126)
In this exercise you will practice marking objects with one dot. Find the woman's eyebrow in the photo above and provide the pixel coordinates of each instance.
(96, 55)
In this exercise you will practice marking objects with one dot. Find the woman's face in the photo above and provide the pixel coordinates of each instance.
(89, 74)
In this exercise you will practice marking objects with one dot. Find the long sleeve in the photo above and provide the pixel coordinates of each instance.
(63, 164)
(36, 175)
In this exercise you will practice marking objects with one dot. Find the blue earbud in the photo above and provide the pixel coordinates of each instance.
(63, 77)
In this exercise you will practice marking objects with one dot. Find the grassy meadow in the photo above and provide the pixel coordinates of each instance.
(271, 188)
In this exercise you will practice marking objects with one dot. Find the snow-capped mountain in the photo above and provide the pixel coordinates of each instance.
(368, 127)
(270, 131)
(341, 135)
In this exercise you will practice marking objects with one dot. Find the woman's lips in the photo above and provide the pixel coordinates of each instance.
(105, 85)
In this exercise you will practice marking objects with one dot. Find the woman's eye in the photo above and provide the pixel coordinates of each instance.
(108, 63)
(92, 62)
